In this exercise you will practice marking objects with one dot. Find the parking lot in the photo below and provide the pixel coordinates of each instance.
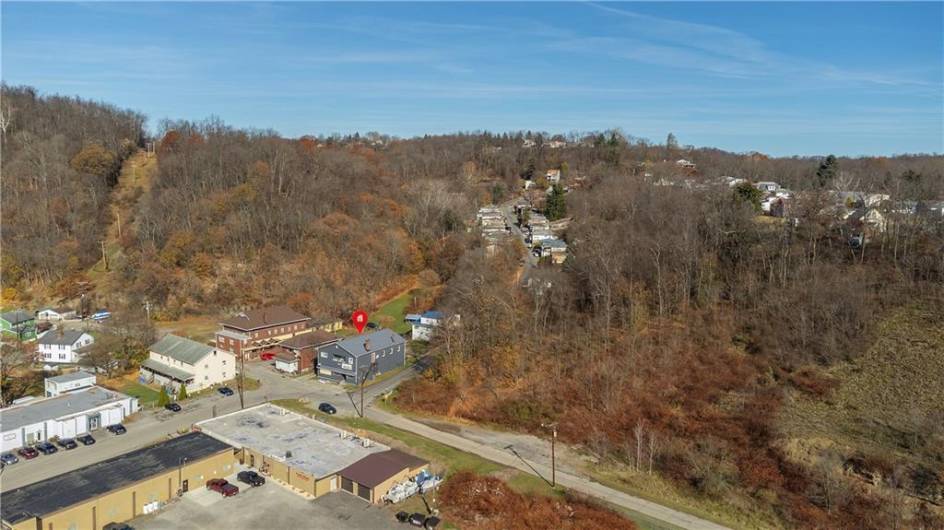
(268, 506)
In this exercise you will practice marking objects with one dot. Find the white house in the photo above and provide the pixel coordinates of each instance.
(541, 234)
(553, 176)
(423, 329)
(55, 314)
(64, 416)
(767, 186)
(555, 249)
(176, 361)
(61, 384)
(63, 346)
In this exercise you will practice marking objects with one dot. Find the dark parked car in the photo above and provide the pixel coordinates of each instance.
(117, 526)
(8, 459)
(46, 448)
(28, 453)
(431, 522)
(225, 390)
(172, 407)
(86, 439)
(372, 325)
(67, 443)
(417, 519)
(221, 485)
(117, 429)
(327, 408)
(250, 477)
(403, 517)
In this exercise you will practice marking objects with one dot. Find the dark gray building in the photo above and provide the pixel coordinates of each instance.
(348, 360)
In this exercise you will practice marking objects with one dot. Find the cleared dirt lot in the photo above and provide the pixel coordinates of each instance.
(269, 506)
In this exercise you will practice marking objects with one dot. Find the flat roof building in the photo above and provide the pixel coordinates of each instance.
(120, 488)
(309, 455)
(64, 416)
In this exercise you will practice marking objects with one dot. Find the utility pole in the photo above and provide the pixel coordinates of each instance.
(147, 309)
(364, 380)
(553, 427)
(104, 256)
(239, 380)
(118, 215)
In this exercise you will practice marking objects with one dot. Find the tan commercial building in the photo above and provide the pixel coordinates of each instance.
(312, 457)
(120, 488)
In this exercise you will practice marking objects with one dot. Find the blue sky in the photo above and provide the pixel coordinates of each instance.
(780, 78)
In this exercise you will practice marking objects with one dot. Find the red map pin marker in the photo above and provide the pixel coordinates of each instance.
(359, 318)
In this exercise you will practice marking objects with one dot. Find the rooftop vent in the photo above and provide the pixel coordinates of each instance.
(288, 454)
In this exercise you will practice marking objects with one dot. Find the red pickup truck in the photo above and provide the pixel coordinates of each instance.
(221, 485)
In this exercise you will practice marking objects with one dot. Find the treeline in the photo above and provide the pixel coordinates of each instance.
(61, 156)
(237, 218)
(678, 327)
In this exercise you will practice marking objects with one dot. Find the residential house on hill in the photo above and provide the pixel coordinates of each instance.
(427, 322)
(174, 361)
(553, 176)
(349, 359)
(767, 186)
(555, 249)
(55, 314)
(251, 332)
(63, 346)
(297, 354)
(18, 324)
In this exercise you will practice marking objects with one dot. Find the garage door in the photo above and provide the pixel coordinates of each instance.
(363, 492)
(347, 485)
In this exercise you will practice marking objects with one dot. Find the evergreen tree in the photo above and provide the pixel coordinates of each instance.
(827, 170)
(746, 192)
(182, 393)
(163, 398)
(556, 204)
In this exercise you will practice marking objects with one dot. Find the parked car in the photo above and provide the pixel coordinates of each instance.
(250, 477)
(172, 407)
(46, 448)
(86, 439)
(417, 519)
(100, 315)
(8, 459)
(327, 408)
(221, 485)
(117, 526)
(28, 453)
(403, 517)
(67, 443)
(371, 325)
(117, 429)
(225, 390)
(431, 522)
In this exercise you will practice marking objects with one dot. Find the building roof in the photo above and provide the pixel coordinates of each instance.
(68, 489)
(70, 377)
(232, 334)
(284, 356)
(39, 410)
(17, 317)
(66, 337)
(264, 317)
(363, 344)
(308, 339)
(375, 469)
(553, 243)
(59, 310)
(298, 441)
(181, 348)
(411, 317)
(164, 369)
(438, 315)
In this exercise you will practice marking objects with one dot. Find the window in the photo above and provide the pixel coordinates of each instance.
(206, 366)
(206, 378)
(62, 356)
(224, 362)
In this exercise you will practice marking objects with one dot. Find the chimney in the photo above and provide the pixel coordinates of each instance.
(367, 345)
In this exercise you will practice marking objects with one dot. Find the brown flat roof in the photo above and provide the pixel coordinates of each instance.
(308, 339)
(375, 468)
(264, 317)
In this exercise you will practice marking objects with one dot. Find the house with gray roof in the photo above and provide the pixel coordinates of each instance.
(178, 361)
(18, 324)
(370, 354)
(58, 346)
